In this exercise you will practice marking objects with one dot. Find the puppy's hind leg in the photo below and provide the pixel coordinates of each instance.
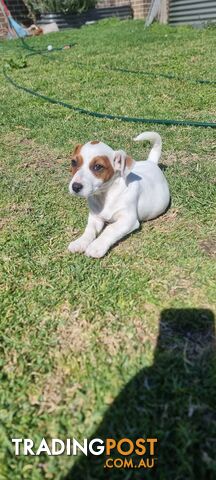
(93, 228)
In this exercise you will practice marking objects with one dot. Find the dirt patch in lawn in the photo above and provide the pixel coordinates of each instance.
(39, 156)
(34, 155)
(180, 157)
(73, 333)
(208, 246)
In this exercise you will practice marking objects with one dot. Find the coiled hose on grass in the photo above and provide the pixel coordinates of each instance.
(123, 118)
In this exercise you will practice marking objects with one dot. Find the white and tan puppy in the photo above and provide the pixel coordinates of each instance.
(120, 192)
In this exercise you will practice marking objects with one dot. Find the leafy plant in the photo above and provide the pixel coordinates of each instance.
(58, 6)
(16, 63)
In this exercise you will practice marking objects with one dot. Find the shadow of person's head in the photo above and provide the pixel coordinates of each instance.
(174, 401)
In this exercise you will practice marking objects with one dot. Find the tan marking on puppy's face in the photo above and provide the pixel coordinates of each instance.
(101, 167)
(94, 142)
(77, 149)
(76, 159)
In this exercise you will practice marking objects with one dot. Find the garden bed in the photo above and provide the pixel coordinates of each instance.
(78, 19)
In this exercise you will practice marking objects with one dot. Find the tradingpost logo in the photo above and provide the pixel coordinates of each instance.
(123, 453)
(129, 454)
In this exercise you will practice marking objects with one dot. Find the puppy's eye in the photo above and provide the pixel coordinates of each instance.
(97, 167)
(73, 163)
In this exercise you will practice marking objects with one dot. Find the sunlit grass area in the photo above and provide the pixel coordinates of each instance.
(86, 345)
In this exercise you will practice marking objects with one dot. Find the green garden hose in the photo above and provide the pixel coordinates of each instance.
(189, 123)
(169, 76)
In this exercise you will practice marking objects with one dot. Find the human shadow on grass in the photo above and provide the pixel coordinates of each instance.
(174, 401)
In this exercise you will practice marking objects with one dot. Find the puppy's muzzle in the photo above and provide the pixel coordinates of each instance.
(76, 187)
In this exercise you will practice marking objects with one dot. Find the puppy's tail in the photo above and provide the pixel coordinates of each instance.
(155, 139)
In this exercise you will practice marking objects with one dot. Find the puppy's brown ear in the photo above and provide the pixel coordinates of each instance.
(123, 163)
(77, 149)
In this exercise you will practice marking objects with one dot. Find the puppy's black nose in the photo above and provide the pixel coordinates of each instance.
(77, 187)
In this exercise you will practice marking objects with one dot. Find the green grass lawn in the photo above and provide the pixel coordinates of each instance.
(101, 345)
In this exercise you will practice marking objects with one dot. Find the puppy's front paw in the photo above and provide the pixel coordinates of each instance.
(78, 246)
(96, 250)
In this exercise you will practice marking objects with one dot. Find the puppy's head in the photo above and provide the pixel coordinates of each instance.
(94, 166)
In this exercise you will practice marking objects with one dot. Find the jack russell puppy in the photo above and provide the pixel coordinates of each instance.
(120, 192)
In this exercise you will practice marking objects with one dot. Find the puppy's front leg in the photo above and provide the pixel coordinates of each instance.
(112, 233)
(93, 228)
